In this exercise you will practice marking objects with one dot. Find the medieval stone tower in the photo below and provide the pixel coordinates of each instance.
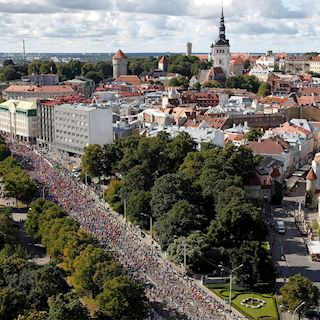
(120, 64)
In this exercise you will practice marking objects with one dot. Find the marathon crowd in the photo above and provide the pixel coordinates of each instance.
(178, 294)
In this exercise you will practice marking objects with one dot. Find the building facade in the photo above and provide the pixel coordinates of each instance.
(19, 119)
(42, 79)
(220, 52)
(315, 65)
(77, 126)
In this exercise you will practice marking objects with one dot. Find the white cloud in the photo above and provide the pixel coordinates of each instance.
(157, 25)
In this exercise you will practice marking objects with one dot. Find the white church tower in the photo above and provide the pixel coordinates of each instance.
(220, 51)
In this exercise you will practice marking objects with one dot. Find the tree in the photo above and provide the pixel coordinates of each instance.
(197, 246)
(112, 194)
(177, 149)
(277, 197)
(232, 194)
(34, 315)
(67, 306)
(92, 160)
(139, 202)
(167, 190)
(4, 152)
(75, 68)
(8, 62)
(105, 271)
(211, 84)
(95, 76)
(264, 89)
(250, 83)
(235, 223)
(104, 69)
(10, 73)
(121, 299)
(197, 86)
(179, 221)
(179, 82)
(247, 64)
(12, 302)
(8, 229)
(18, 185)
(257, 265)
(49, 281)
(254, 134)
(85, 266)
(64, 72)
(297, 290)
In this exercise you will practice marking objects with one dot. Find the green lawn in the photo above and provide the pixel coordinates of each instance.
(268, 311)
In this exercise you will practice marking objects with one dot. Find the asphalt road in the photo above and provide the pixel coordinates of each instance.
(289, 251)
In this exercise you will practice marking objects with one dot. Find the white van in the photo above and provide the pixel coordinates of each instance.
(280, 227)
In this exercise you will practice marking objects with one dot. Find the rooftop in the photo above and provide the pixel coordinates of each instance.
(119, 55)
(20, 105)
(39, 89)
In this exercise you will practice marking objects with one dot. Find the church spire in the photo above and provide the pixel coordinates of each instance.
(222, 28)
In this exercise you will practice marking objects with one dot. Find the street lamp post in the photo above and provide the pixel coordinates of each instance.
(148, 215)
(43, 192)
(124, 206)
(231, 272)
(297, 308)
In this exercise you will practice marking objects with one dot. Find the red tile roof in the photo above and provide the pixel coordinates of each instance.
(317, 59)
(132, 79)
(311, 175)
(39, 89)
(119, 55)
(267, 146)
(163, 59)
(275, 173)
(237, 60)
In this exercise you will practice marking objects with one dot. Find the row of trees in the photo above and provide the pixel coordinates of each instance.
(194, 197)
(28, 291)
(93, 273)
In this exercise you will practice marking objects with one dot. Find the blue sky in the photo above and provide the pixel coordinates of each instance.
(157, 25)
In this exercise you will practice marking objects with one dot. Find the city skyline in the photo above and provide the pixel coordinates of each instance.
(157, 26)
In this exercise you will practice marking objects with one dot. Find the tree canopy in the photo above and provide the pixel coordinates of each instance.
(297, 290)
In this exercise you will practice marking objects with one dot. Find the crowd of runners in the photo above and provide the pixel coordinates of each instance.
(169, 291)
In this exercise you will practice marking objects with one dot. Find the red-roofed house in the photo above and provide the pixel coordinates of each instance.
(236, 66)
(274, 148)
(131, 79)
(22, 92)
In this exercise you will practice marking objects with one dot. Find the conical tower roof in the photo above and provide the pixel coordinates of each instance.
(119, 55)
(311, 175)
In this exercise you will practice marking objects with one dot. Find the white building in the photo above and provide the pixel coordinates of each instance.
(268, 60)
(200, 136)
(19, 119)
(79, 125)
(315, 65)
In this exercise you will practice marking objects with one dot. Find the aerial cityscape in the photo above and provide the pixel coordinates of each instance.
(159, 160)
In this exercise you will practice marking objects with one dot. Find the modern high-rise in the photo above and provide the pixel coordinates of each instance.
(79, 125)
